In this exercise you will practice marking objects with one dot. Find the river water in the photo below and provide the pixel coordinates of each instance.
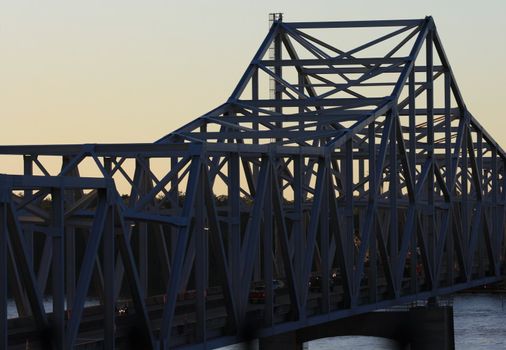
(479, 321)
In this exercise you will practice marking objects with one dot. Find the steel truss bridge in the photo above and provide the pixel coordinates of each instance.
(338, 178)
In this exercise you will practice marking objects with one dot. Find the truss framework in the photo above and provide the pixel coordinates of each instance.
(365, 171)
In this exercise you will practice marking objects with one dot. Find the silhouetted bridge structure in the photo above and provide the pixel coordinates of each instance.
(339, 178)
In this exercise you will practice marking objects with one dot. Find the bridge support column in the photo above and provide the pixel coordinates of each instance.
(424, 328)
(284, 341)
(431, 328)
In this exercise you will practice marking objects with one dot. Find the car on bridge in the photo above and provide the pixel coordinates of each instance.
(315, 281)
(257, 294)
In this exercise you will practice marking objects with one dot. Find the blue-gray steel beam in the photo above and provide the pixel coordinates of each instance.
(450, 244)
(370, 225)
(28, 170)
(108, 258)
(431, 227)
(18, 294)
(317, 102)
(3, 269)
(26, 270)
(349, 223)
(86, 272)
(333, 61)
(45, 263)
(324, 239)
(200, 233)
(267, 236)
(293, 290)
(34, 182)
(313, 226)
(273, 31)
(298, 221)
(234, 219)
(122, 239)
(413, 54)
(361, 70)
(467, 209)
(250, 243)
(180, 252)
(498, 214)
(388, 269)
(393, 234)
(354, 24)
(230, 274)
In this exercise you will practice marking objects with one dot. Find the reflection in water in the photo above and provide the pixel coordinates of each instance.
(480, 322)
(352, 342)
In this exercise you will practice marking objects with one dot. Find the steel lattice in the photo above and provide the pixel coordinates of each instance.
(363, 181)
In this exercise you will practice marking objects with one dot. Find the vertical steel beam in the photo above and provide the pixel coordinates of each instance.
(132, 277)
(17, 288)
(298, 222)
(500, 231)
(373, 268)
(27, 275)
(268, 237)
(278, 71)
(255, 125)
(348, 209)
(200, 231)
(57, 269)
(412, 166)
(70, 236)
(498, 214)
(143, 256)
(393, 237)
(324, 239)
(109, 254)
(3, 268)
(313, 228)
(450, 257)
(464, 182)
(174, 200)
(478, 182)
(70, 261)
(250, 244)
(89, 260)
(234, 235)
(431, 236)
(282, 231)
(28, 194)
(412, 123)
(173, 285)
(144, 185)
(218, 248)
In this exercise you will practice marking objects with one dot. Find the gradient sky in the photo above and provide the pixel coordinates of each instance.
(132, 71)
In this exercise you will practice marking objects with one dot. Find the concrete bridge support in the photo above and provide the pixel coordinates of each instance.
(421, 328)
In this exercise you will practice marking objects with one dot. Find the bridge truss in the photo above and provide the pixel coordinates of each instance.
(362, 182)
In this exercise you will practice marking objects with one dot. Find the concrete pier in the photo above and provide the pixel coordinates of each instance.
(284, 341)
(419, 328)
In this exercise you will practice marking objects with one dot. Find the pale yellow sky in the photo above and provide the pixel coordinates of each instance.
(132, 71)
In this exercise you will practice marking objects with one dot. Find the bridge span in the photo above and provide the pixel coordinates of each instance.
(345, 174)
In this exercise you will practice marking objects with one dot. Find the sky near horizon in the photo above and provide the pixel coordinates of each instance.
(132, 71)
